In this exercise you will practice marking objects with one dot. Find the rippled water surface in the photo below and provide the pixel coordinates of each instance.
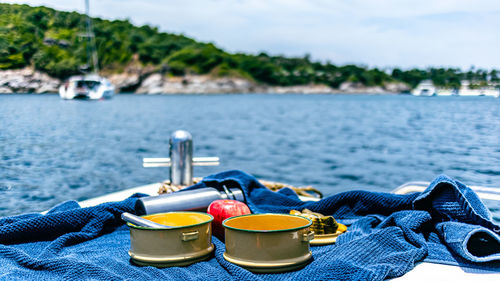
(53, 150)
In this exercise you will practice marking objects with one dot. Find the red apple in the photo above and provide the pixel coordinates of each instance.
(223, 209)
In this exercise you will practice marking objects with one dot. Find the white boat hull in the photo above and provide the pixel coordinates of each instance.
(479, 92)
(446, 92)
(76, 88)
(424, 89)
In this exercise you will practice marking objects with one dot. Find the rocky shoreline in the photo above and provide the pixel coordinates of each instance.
(27, 80)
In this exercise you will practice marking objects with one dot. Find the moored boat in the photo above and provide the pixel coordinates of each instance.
(89, 86)
(446, 92)
(427, 88)
(488, 91)
(424, 89)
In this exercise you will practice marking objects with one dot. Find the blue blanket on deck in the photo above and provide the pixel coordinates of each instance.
(387, 235)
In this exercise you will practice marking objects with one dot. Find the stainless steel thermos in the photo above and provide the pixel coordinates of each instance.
(190, 200)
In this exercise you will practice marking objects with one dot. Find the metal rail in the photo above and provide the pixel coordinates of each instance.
(166, 162)
(181, 159)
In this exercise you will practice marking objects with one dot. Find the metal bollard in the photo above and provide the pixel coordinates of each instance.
(181, 159)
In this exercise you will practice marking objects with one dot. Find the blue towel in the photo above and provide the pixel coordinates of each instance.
(387, 235)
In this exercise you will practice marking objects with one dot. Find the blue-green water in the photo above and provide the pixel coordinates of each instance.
(53, 150)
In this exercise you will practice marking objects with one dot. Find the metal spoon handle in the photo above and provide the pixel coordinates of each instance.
(128, 217)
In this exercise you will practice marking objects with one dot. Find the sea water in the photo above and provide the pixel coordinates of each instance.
(52, 150)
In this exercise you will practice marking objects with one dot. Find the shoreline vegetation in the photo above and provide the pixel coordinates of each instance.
(40, 47)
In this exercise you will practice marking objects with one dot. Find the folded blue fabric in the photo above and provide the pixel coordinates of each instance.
(387, 235)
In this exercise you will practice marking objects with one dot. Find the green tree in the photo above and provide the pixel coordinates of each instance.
(49, 40)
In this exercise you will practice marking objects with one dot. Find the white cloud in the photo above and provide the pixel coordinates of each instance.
(378, 33)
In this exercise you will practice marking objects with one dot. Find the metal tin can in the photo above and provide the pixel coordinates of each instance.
(188, 241)
(267, 243)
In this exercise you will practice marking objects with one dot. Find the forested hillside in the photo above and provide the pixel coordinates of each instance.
(51, 41)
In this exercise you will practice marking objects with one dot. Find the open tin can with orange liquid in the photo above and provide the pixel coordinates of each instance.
(187, 240)
(267, 243)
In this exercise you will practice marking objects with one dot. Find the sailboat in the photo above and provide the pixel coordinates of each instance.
(91, 85)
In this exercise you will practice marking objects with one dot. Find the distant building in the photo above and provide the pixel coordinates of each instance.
(53, 42)
(63, 44)
(49, 41)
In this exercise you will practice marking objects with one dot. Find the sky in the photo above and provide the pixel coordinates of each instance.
(384, 34)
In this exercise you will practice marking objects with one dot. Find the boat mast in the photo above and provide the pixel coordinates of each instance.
(91, 46)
